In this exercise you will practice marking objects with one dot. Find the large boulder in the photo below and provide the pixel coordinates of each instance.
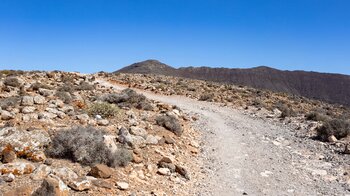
(26, 144)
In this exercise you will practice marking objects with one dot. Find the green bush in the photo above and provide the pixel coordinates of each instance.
(104, 109)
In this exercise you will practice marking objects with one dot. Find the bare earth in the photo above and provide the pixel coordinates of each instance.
(243, 155)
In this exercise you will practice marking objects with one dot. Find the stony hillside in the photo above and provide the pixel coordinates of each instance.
(64, 134)
(333, 88)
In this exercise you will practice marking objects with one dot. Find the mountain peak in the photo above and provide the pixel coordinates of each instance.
(148, 66)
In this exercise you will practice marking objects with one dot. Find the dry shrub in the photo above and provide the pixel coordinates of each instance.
(206, 97)
(316, 116)
(171, 123)
(12, 81)
(104, 109)
(85, 86)
(128, 98)
(86, 146)
(337, 127)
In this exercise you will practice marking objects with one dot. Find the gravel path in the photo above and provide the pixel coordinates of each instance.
(243, 155)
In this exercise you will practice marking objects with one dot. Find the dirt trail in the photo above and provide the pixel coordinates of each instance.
(249, 156)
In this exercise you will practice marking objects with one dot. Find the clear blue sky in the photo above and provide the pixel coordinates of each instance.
(94, 35)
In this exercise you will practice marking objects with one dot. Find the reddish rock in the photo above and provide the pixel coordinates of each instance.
(101, 171)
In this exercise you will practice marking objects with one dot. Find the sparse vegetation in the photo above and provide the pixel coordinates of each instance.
(64, 96)
(337, 127)
(12, 81)
(171, 123)
(206, 97)
(316, 116)
(86, 146)
(38, 85)
(84, 86)
(106, 110)
(285, 109)
(128, 98)
(5, 103)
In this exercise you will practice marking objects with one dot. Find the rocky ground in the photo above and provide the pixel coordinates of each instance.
(154, 148)
(251, 148)
(76, 134)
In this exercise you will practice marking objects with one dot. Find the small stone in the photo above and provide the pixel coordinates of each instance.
(137, 159)
(39, 99)
(65, 173)
(8, 155)
(48, 161)
(53, 185)
(122, 185)
(169, 140)
(101, 171)
(166, 160)
(151, 139)
(138, 131)
(102, 184)
(6, 115)
(38, 156)
(82, 117)
(182, 171)
(9, 178)
(103, 122)
(41, 172)
(332, 138)
(27, 101)
(80, 184)
(28, 109)
(164, 171)
(98, 117)
(46, 92)
(347, 149)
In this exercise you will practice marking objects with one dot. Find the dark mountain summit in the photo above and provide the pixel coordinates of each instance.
(149, 66)
(334, 88)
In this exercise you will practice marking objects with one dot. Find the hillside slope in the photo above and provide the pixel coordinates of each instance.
(333, 88)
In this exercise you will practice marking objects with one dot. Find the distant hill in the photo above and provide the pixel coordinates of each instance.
(333, 88)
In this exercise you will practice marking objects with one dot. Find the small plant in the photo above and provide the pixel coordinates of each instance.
(315, 116)
(206, 97)
(84, 86)
(128, 98)
(171, 123)
(38, 85)
(64, 96)
(6, 103)
(12, 81)
(104, 109)
(286, 111)
(337, 127)
(86, 146)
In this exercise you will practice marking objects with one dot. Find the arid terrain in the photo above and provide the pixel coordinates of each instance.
(332, 88)
(135, 134)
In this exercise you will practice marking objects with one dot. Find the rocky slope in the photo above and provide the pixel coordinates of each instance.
(332, 88)
(64, 134)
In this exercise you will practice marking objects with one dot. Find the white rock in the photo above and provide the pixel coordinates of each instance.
(28, 109)
(6, 115)
(80, 184)
(39, 99)
(41, 172)
(164, 171)
(138, 131)
(103, 122)
(122, 185)
(27, 101)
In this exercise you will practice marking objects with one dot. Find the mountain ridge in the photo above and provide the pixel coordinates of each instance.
(329, 87)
